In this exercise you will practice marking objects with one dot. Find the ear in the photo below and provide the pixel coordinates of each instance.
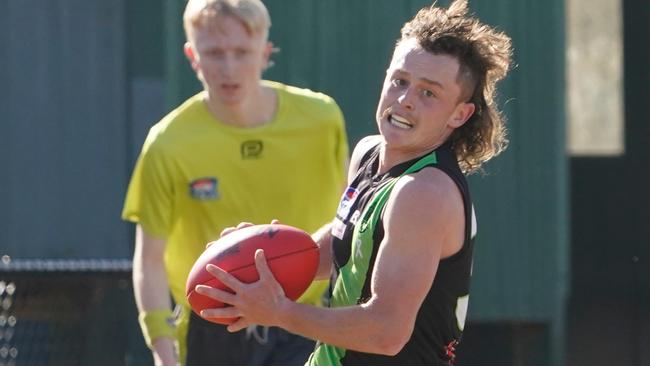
(189, 53)
(268, 51)
(462, 113)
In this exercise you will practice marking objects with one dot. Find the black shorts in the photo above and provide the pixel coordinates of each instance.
(211, 344)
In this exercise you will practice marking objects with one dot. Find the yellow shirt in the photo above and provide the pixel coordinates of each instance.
(196, 175)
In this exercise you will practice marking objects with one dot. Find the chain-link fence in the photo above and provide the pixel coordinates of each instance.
(64, 312)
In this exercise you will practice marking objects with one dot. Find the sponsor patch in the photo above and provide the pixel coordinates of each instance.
(338, 229)
(347, 200)
(204, 189)
(251, 149)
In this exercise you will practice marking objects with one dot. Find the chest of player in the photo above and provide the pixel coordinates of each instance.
(354, 201)
(247, 168)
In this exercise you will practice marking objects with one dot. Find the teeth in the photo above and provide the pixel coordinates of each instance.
(400, 122)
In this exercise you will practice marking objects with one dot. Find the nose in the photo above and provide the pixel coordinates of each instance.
(227, 65)
(406, 99)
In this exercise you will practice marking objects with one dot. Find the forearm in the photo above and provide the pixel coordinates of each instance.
(150, 286)
(154, 296)
(375, 326)
(364, 328)
(163, 351)
(323, 238)
(151, 291)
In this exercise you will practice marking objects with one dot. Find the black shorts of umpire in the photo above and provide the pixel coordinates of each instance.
(211, 344)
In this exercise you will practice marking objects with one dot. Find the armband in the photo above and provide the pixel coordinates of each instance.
(156, 324)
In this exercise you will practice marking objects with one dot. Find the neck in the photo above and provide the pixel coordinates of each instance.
(255, 110)
(388, 158)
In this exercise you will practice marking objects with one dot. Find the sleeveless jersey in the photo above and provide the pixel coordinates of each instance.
(358, 232)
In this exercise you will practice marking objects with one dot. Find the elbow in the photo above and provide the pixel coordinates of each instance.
(391, 337)
(390, 343)
(391, 331)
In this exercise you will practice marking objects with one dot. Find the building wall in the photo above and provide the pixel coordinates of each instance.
(609, 308)
(63, 131)
(79, 100)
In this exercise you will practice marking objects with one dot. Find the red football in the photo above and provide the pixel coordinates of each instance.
(290, 253)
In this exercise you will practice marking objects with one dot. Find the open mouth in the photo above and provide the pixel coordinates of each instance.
(230, 87)
(399, 122)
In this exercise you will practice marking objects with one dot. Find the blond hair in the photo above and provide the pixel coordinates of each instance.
(484, 56)
(251, 13)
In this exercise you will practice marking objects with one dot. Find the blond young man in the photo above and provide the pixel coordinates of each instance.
(402, 241)
(243, 149)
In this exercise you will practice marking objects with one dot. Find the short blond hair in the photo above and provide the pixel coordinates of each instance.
(251, 13)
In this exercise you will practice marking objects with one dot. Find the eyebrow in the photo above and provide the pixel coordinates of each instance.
(425, 80)
(432, 82)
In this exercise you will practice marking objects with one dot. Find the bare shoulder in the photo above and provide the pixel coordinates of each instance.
(430, 185)
(429, 204)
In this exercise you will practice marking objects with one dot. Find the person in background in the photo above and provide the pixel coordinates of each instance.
(243, 149)
(401, 244)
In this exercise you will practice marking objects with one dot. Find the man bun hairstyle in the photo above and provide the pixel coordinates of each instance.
(484, 57)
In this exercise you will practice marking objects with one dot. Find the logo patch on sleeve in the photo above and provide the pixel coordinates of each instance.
(347, 200)
(204, 189)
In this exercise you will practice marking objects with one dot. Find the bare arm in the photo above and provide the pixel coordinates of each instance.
(323, 238)
(406, 264)
(151, 289)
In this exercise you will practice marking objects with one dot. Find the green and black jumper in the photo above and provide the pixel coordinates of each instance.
(358, 231)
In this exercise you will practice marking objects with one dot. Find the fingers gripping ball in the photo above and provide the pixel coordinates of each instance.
(291, 255)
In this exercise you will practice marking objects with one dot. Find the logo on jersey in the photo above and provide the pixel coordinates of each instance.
(251, 149)
(204, 189)
(347, 200)
(355, 217)
(450, 351)
(338, 228)
(358, 248)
